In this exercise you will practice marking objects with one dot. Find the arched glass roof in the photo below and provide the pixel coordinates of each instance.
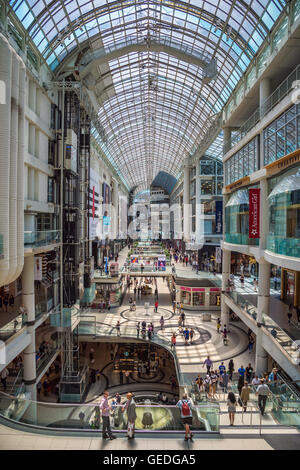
(164, 68)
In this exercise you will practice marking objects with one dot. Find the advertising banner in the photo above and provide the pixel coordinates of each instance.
(38, 268)
(106, 194)
(94, 228)
(218, 255)
(219, 217)
(254, 206)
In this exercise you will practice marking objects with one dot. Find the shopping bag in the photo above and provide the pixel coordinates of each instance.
(130, 429)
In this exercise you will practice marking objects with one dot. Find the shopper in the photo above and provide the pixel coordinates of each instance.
(245, 395)
(182, 318)
(156, 306)
(173, 341)
(162, 322)
(138, 329)
(185, 406)
(222, 368)
(224, 382)
(218, 325)
(230, 369)
(118, 328)
(249, 372)
(105, 408)
(192, 333)
(130, 408)
(208, 362)
(225, 336)
(250, 344)
(231, 404)
(263, 392)
(4, 375)
(11, 301)
(290, 313)
(186, 335)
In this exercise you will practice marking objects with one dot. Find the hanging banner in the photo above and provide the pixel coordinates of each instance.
(218, 255)
(254, 206)
(219, 217)
(38, 268)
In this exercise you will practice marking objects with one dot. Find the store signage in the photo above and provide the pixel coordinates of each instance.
(199, 289)
(185, 288)
(214, 289)
(219, 217)
(254, 206)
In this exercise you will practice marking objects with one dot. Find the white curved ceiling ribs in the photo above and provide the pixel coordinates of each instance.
(153, 104)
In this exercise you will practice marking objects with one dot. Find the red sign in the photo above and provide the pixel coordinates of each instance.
(254, 205)
(199, 289)
(214, 289)
(188, 289)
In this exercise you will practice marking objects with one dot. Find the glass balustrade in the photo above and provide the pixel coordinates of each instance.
(33, 239)
(13, 327)
(278, 334)
(150, 417)
(89, 326)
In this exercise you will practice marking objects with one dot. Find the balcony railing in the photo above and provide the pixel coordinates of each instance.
(278, 95)
(278, 334)
(86, 417)
(34, 239)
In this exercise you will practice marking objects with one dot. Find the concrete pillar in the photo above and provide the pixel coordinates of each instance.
(28, 287)
(264, 214)
(29, 352)
(261, 358)
(263, 289)
(226, 269)
(264, 93)
(199, 218)
(186, 203)
(226, 139)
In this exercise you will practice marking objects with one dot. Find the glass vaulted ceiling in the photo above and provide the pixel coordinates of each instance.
(156, 107)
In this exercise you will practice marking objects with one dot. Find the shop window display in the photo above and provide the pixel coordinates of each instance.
(198, 298)
(284, 215)
(237, 219)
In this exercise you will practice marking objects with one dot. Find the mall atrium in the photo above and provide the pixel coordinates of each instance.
(149, 223)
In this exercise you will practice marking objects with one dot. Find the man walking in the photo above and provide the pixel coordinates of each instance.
(208, 362)
(105, 408)
(129, 407)
(263, 392)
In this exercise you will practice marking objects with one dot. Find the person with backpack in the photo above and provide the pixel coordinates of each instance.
(185, 406)
(186, 335)
(183, 318)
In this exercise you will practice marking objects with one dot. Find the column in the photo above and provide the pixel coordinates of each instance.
(199, 219)
(226, 139)
(226, 269)
(29, 352)
(261, 359)
(186, 202)
(264, 93)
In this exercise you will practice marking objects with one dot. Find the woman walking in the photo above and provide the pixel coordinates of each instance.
(162, 322)
(231, 404)
(230, 369)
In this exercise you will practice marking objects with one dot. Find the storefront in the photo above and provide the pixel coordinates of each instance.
(196, 294)
(290, 286)
(109, 290)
